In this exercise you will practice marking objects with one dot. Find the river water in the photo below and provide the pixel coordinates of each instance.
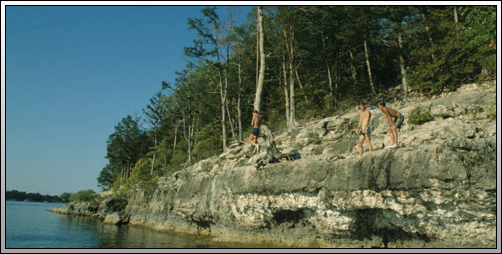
(30, 225)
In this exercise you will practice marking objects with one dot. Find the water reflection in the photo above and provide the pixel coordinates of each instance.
(30, 225)
(103, 235)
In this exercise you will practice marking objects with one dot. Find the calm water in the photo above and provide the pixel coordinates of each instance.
(30, 225)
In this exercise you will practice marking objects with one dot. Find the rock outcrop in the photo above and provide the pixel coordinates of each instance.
(437, 190)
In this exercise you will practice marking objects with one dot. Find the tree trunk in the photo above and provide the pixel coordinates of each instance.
(259, 86)
(337, 75)
(231, 122)
(354, 74)
(257, 44)
(403, 68)
(455, 14)
(428, 33)
(369, 67)
(291, 91)
(290, 49)
(330, 81)
(223, 94)
(284, 72)
(153, 161)
(239, 120)
(175, 137)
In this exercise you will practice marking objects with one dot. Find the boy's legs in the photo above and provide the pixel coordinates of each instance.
(368, 141)
(394, 131)
(360, 145)
(252, 138)
(391, 134)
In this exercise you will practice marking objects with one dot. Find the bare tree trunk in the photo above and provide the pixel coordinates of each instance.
(300, 83)
(455, 14)
(403, 69)
(231, 122)
(337, 76)
(257, 44)
(259, 86)
(354, 75)
(223, 93)
(239, 116)
(289, 42)
(153, 161)
(369, 67)
(291, 92)
(330, 81)
(284, 72)
(175, 137)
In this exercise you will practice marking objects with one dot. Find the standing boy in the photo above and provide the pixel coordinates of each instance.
(256, 122)
(363, 129)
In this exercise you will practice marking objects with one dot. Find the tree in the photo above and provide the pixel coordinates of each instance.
(156, 113)
(126, 145)
(259, 85)
(65, 197)
(210, 36)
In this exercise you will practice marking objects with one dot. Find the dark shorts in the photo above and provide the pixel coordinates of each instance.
(400, 122)
(255, 132)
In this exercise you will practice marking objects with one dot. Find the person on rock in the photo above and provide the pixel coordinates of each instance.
(393, 125)
(256, 122)
(363, 128)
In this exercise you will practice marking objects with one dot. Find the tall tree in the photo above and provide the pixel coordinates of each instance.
(207, 49)
(259, 85)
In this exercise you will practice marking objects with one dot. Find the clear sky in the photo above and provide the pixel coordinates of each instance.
(72, 73)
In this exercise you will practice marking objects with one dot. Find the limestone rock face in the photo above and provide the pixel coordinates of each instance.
(438, 189)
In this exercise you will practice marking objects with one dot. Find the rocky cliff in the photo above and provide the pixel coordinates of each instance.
(438, 189)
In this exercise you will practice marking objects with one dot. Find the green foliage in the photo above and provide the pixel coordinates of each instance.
(438, 53)
(451, 54)
(65, 197)
(36, 197)
(142, 178)
(420, 116)
(209, 142)
(83, 196)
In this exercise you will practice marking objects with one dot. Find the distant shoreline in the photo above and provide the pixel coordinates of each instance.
(35, 201)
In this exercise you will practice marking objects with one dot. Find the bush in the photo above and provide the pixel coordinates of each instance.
(65, 197)
(83, 196)
(419, 116)
(141, 177)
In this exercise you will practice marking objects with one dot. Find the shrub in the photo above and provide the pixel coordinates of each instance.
(83, 196)
(420, 116)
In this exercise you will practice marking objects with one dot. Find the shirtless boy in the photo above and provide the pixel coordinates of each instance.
(256, 122)
(363, 129)
(393, 126)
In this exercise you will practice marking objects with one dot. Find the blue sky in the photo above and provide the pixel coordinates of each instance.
(72, 73)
